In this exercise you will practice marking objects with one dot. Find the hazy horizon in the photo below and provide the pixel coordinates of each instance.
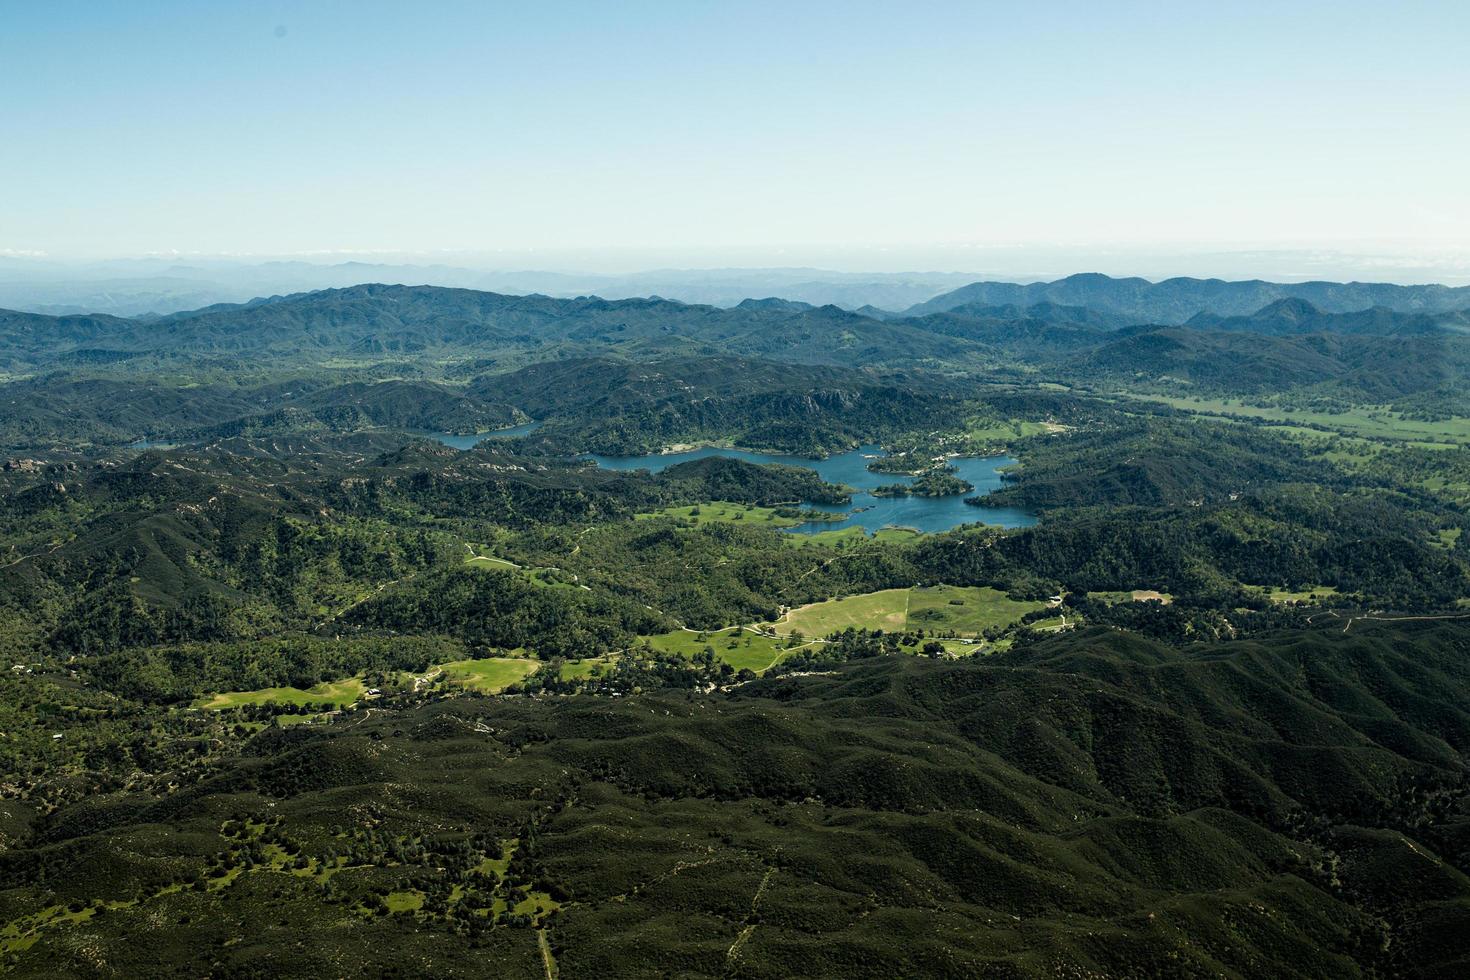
(1019, 263)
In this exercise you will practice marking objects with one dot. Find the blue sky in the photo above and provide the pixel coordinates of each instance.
(277, 128)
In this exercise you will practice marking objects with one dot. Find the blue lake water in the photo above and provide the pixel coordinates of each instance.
(867, 511)
(471, 441)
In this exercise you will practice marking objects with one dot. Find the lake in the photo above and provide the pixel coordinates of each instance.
(471, 441)
(867, 511)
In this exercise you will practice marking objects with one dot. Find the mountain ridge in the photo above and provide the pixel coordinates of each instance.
(1174, 301)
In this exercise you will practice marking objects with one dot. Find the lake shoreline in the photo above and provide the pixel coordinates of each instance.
(922, 513)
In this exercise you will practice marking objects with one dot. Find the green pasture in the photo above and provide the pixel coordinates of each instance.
(490, 675)
(338, 693)
(946, 610)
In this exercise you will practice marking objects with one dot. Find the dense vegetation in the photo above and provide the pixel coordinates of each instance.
(296, 689)
(1083, 802)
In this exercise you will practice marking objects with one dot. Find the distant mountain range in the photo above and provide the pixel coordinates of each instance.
(133, 289)
(1176, 301)
(461, 334)
(378, 321)
(156, 288)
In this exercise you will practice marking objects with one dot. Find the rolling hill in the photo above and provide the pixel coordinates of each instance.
(1096, 804)
(376, 322)
(1296, 316)
(1372, 368)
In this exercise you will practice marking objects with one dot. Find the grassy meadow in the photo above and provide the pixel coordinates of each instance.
(945, 610)
(338, 693)
(1373, 422)
(722, 512)
(490, 675)
(740, 648)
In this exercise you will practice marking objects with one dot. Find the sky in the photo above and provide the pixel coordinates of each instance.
(751, 130)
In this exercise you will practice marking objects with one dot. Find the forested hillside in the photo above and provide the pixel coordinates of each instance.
(1293, 805)
(411, 631)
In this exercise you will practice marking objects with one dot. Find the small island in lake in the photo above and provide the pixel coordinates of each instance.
(938, 482)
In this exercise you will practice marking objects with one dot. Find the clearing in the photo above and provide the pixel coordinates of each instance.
(487, 561)
(490, 675)
(578, 670)
(1278, 594)
(739, 647)
(337, 693)
(945, 610)
(955, 611)
(722, 511)
(1365, 421)
(853, 535)
(548, 576)
(1137, 595)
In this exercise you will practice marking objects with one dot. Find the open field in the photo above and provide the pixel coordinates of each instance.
(1280, 595)
(852, 536)
(953, 647)
(740, 648)
(1008, 429)
(718, 511)
(404, 901)
(338, 693)
(1367, 421)
(287, 721)
(1137, 595)
(943, 609)
(573, 670)
(486, 561)
(551, 578)
(490, 675)
(956, 611)
(886, 610)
